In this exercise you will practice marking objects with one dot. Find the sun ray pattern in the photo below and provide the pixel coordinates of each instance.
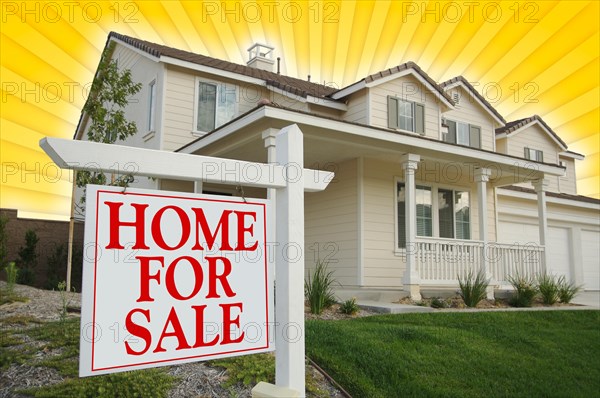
(525, 58)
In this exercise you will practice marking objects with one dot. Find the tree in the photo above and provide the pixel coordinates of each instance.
(3, 242)
(105, 107)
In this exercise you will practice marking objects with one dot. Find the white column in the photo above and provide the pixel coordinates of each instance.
(269, 138)
(482, 177)
(541, 186)
(289, 290)
(411, 278)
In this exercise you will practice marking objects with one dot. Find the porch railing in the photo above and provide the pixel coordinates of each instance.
(505, 260)
(440, 261)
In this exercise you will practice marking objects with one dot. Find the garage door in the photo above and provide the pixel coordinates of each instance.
(558, 244)
(590, 251)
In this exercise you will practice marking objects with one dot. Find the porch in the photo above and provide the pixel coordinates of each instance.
(440, 262)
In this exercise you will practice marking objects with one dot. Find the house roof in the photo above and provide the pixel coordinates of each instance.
(286, 83)
(461, 80)
(407, 66)
(579, 198)
(516, 125)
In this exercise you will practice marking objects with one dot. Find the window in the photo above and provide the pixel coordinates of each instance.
(451, 213)
(215, 105)
(406, 115)
(151, 104)
(463, 134)
(534, 154)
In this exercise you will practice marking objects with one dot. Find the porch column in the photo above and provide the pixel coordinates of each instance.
(541, 186)
(482, 177)
(411, 278)
(268, 137)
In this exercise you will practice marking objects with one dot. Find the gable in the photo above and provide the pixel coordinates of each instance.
(468, 110)
(533, 136)
(407, 88)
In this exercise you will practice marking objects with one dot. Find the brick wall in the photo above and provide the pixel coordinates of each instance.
(50, 234)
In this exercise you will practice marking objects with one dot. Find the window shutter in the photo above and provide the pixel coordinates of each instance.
(392, 112)
(451, 136)
(420, 119)
(526, 153)
(540, 156)
(475, 136)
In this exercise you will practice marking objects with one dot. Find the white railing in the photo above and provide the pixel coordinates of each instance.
(440, 261)
(506, 260)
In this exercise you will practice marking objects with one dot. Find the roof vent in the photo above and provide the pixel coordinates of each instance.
(260, 56)
(456, 98)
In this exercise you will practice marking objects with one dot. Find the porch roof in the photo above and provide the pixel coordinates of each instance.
(343, 133)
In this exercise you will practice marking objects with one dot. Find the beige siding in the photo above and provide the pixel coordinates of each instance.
(331, 225)
(357, 108)
(568, 183)
(536, 138)
(409, 88)
(502, 146)
(469, 111)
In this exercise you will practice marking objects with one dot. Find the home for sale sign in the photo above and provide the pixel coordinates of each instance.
(171, 278)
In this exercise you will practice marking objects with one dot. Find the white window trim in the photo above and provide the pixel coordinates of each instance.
(197, 82)
(151, 121)
(434, 211)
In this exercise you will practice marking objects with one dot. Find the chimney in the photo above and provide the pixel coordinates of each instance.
(260, 56)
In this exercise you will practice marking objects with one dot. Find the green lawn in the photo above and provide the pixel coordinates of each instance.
(493, 354)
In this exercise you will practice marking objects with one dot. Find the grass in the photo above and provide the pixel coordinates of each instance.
(545, 353)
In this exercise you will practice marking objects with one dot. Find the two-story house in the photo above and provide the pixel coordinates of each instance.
(430, 180)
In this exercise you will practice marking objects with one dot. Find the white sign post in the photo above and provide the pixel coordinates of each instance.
(171, 279)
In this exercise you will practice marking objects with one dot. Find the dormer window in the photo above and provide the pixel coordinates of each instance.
(406, 115)
(463, 134)
(534, 154)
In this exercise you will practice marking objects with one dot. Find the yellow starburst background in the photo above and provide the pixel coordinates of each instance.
(525, 57)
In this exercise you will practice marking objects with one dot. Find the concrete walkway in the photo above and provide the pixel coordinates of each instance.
(584, 301)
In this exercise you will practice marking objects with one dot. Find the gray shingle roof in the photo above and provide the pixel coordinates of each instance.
(286, 83)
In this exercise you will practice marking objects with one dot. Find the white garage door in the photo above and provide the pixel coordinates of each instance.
(590, 251)
(558, 244)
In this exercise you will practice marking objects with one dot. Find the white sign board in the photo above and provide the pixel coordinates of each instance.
(170, 278)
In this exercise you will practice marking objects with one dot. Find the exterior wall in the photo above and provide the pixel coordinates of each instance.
(571, 228)
(50, 233)
(502, 145)
(411, 89)
(331, 225)
(568, 183)
(357, 108)
(384, 264)
(534, 137)
(469, 111)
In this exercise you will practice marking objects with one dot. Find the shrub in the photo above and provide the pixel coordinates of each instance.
(525, 290)
(28, 258)
(318, 289)
(3, 241)
(349, 307)
(548, 288)
(248, 369)
(473, 287)
(57, 264)
(11, 277)
(567, 290)
(438, 302)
